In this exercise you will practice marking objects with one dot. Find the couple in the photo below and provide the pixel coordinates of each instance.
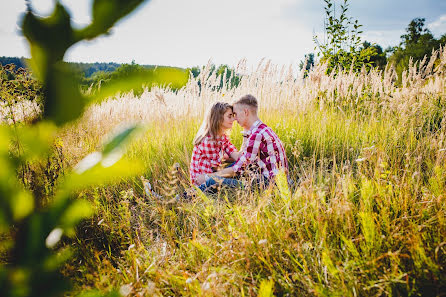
(261, 156)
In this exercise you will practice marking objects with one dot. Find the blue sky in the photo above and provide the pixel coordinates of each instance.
(188, 33)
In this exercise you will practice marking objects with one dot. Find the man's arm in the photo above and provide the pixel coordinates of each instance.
(226, 172)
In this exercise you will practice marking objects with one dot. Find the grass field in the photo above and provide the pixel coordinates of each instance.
(365, 216)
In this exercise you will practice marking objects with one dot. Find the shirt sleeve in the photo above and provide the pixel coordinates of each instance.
(195, 163)
(208, 152)
(250, 154)
(229, 148)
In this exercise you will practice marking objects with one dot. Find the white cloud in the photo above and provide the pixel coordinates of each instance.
(438, 27)
(199, 30)
(384, 38)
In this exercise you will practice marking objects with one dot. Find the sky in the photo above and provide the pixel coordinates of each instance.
(188, 33)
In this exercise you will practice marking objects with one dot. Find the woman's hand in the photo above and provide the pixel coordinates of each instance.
(201, 179)
(235, 155)
(223, 157)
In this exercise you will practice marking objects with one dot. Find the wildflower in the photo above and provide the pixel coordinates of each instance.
(263, 241)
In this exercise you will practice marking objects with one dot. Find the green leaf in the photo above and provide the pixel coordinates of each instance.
(266, 288)
(119, 139)
(4, 140)
(55, 261)
(105, 14)
(282, 185)
(99, 294)
(78, 210)
(22, 204)
(36, 141)
(64, 102)
(42, 32)
(136, 78)
(98, 175)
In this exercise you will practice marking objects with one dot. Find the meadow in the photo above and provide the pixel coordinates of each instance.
(365, 215)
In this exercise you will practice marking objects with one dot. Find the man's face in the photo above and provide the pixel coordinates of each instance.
(240, 114)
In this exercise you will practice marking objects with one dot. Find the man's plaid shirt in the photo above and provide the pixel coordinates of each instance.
(264, 149)
(207, 154)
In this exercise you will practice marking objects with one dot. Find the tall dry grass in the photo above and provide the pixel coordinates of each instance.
(365, 216)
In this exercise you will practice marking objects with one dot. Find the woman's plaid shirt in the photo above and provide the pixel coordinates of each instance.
(264, 149)
(207, 154)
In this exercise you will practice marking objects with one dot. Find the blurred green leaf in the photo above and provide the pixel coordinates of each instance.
(36, 141)
(282, 185)
(34, 269)
(98, 175)
(135, 79)
(119, 139)
(266, 288)
(78, 210)
(99, 294)
(55, 261)
(23, 205)
(41, 33)
(4, 140)
(64, 101)
(105, 14)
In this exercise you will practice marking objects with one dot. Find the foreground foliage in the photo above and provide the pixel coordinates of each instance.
(38, 203)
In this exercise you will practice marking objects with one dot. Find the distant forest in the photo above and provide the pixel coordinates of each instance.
(87, 69)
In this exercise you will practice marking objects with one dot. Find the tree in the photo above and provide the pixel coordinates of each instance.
(417, 43)
(342, 47)
(380, 59)
(415, 30)
(307, 62)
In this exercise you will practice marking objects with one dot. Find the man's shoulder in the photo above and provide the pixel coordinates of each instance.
(269, 133)
(263, 129)
(259, 129)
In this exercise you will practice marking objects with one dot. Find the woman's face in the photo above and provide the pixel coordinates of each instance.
(228, 119)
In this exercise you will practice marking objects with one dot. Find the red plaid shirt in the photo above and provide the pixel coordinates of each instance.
(264, 149)
(207, 154)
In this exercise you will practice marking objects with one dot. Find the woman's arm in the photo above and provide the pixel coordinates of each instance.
(235, 155)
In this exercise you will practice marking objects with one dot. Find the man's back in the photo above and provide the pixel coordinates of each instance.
(265, 149)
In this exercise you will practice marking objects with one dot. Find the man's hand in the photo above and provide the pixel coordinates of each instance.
(227, 172)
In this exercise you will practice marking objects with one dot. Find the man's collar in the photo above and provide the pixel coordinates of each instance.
(254, 125)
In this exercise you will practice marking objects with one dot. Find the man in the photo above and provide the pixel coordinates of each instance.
(262, 148)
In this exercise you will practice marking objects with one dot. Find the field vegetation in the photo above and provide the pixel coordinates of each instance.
(364, 215)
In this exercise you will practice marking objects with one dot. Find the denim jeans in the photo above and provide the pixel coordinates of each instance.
(211, 186)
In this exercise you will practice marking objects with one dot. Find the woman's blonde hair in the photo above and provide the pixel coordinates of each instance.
(212, 122)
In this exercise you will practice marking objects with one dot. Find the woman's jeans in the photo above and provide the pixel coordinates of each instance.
(212, 185)
(215, 183)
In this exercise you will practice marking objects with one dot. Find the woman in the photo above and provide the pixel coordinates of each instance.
(211, 146)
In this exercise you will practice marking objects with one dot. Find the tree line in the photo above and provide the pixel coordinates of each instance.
(344, 49)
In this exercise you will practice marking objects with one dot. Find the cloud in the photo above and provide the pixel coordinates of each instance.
(384, 38)
(438, 27)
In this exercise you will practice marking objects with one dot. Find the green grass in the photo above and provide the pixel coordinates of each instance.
(366, 216)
